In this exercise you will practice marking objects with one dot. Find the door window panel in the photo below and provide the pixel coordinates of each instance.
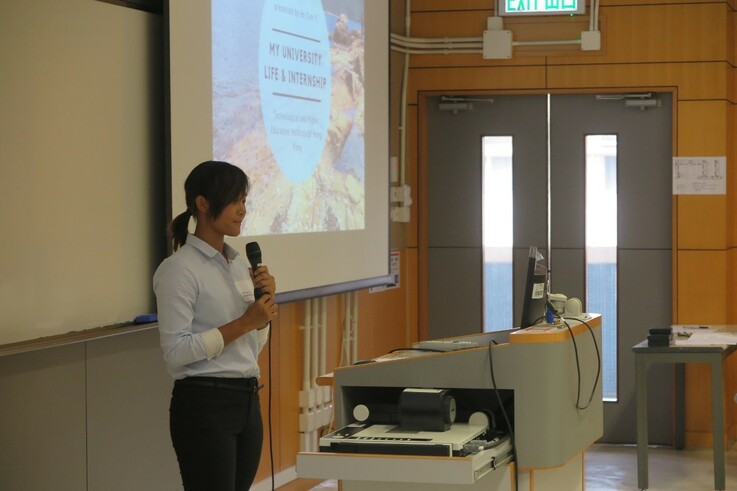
(497, 224)
(601, 249)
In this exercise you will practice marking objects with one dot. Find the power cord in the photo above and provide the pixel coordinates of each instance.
(578, 362)
(504, 414)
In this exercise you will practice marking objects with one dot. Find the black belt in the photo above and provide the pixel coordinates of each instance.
(249, 385)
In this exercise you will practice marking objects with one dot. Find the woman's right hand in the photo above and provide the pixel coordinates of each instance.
(261, 312)
(256, 316)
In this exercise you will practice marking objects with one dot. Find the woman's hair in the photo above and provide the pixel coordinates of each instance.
(220, 183)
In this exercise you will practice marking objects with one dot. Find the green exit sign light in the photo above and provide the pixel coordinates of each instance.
(542, 7)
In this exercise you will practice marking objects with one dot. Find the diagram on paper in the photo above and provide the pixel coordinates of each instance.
(699, 175)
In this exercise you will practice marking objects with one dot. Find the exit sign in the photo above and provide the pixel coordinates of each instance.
(542, 7)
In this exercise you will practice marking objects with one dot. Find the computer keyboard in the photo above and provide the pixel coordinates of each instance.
(445, 345)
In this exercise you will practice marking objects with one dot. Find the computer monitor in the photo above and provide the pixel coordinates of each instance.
(536, 292)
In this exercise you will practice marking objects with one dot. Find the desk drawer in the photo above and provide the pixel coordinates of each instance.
(401, 468)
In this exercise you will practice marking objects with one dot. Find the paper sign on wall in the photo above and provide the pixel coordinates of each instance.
(699, 175)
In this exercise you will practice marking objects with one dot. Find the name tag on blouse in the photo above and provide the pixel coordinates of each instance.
(245, 288)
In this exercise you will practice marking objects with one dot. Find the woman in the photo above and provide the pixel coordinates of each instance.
(211, 330)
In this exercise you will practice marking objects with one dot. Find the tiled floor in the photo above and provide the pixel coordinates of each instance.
(614, 468)
(610, 467)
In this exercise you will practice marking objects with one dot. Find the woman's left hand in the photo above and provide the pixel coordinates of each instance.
(263, 279)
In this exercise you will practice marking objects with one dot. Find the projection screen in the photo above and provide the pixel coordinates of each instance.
(296, 93)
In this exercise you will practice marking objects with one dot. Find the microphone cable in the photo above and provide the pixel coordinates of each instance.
(271, 438)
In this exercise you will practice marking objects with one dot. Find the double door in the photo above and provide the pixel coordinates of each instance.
(549, 192)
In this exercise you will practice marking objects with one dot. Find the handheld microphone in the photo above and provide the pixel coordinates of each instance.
(253, 252)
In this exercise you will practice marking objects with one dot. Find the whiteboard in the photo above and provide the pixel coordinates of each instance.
(80, 140)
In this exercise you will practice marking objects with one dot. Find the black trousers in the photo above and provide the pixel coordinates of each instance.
(217, 432)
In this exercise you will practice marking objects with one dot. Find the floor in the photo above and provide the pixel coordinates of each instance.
(614, 468)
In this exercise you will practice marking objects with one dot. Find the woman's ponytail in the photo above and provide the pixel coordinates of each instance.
(178, 230)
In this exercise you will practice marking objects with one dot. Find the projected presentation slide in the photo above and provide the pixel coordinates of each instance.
(288, 108)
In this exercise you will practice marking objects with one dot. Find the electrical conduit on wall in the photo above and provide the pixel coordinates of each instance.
(314, 401)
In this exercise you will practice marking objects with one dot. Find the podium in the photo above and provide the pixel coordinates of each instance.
(527, 376)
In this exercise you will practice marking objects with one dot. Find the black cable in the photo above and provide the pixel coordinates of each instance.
(429, 350)
(578, 362)
(598, 358)
(271, 439)
(506, 417)
(536, 321)
(432, 350)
